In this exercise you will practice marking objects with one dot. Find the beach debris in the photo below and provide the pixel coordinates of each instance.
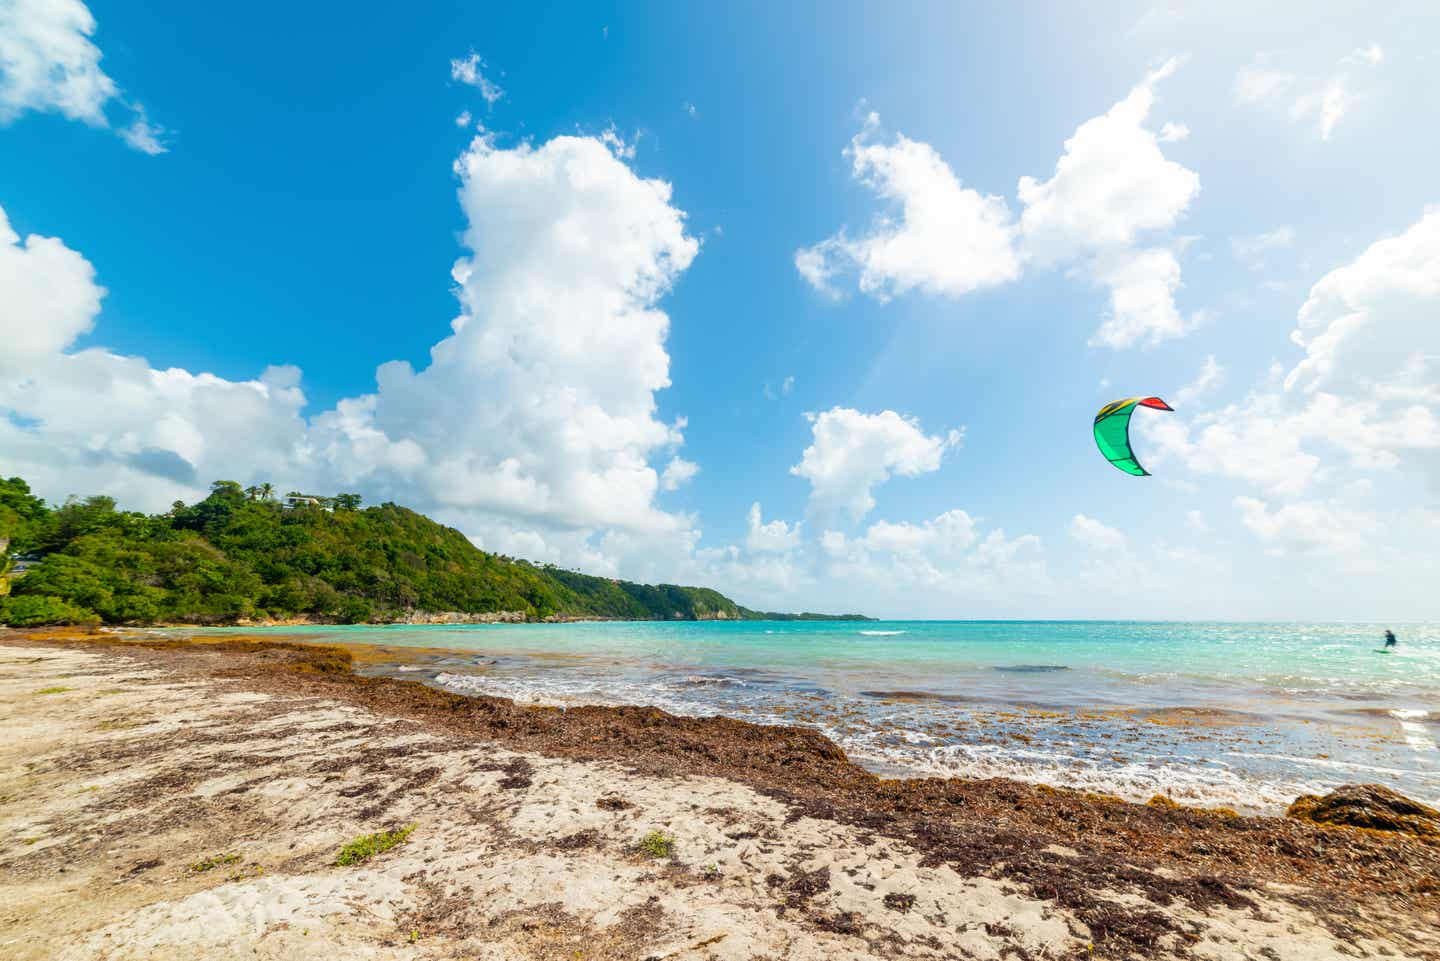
(896, 901)
(1112, 432)
(1371, 806)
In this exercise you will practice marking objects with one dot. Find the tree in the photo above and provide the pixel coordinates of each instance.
(227, 490)
(267, 491)
(252, 492)
(347, 502)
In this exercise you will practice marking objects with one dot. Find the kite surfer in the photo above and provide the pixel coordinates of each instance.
(1389, 638)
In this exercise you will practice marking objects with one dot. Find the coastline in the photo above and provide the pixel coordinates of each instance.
(1120, 709)
(419, 618)
(161, 750)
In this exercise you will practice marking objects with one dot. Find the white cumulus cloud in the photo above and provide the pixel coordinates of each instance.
(49, 63)
(678, 473)
(1362, 399)
(939, 237)
(851, 453)
(50, 297)
(1371, 323)
(1111, 185)
(770, 538)
(1113, 189)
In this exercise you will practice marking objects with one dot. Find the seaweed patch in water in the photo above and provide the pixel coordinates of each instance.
(1029, 668)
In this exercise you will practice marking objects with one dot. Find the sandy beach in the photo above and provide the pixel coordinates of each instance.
(190, 801)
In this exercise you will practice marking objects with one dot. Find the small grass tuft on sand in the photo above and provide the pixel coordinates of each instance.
(53, 690)
(214, 861)
(656, 844)
(367, 846)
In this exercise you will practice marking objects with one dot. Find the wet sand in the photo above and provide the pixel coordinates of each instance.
(125, 768)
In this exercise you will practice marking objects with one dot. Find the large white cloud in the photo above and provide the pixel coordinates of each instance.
(90, 420)
(1363, 399)
(49, 63)
(942, 238)
(1112, 191)
(537, 412)
(541, 404)
(1142, 286)
(50, 295)
(1370, 325)
(1112, 188)
(1365, 395)
(850, 453)
(1111, 185)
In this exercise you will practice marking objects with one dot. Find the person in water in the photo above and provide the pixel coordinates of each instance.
(1390, 638)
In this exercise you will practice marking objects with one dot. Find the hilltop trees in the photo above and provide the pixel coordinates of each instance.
(238, 554)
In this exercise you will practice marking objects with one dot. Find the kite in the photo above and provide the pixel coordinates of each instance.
(1112, 431)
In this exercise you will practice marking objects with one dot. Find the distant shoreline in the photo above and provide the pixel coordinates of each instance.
(428, 619)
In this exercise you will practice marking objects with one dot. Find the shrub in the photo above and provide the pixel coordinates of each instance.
(367, 846)
(33, 611)
(657, 845)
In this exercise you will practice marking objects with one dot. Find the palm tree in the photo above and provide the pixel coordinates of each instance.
(267, 491)
(252, 492)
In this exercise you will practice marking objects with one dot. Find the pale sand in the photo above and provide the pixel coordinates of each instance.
(110, 791)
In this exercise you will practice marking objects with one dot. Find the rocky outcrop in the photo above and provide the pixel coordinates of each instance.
(1371, 806)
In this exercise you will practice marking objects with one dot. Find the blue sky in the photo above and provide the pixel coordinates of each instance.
(632, 201)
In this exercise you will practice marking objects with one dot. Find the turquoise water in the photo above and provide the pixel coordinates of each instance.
(1248, 715)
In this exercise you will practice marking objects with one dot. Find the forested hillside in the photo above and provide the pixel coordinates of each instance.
(239, 555)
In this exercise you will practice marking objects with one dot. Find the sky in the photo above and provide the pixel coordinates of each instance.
(814, 305)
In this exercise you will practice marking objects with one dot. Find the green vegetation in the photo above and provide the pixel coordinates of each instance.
(367, 846)
(239, 554)
(38, 611)
(54, 690)
(214, 861)
(656, 844)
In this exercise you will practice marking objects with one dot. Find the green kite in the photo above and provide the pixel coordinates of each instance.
(1112, 431)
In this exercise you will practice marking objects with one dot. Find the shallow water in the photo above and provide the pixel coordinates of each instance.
(1244, 715)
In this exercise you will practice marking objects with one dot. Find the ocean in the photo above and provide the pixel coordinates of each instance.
(1241, 715)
